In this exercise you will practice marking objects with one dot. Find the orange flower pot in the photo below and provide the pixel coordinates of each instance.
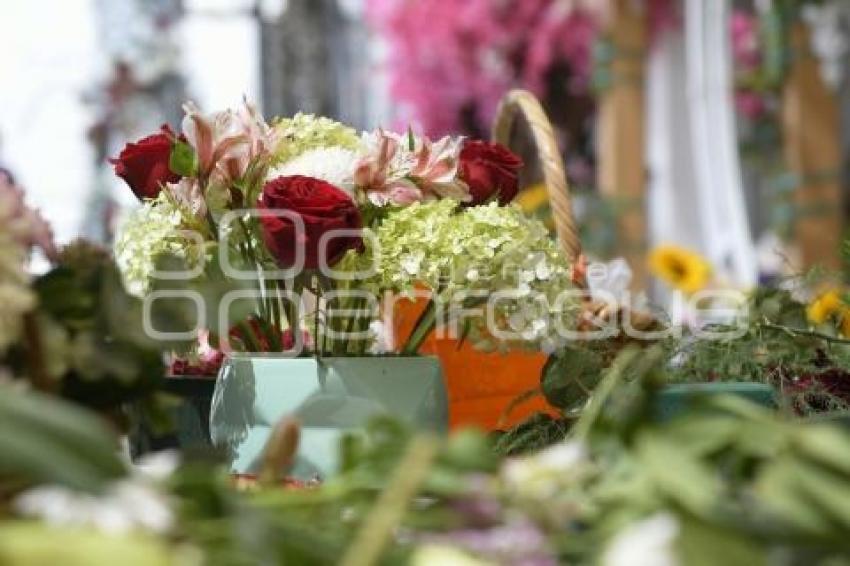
(481, 386)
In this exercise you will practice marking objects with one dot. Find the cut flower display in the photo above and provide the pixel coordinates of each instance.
(332, 223)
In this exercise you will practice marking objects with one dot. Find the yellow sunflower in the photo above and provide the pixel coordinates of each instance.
(830, 306)
(825, 306)
(680, 268)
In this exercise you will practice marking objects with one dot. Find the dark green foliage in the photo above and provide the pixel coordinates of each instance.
(807, 367)
(535, 433)
(570, 376)
(45, 440)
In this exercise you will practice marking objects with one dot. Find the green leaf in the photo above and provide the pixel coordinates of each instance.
(702, 544)
(826, 444)
(778, 491)
(470, 450)
(570, 376)
(827, 490)
(680, 476)
(183, 160)
(703, 435)
(47, 440)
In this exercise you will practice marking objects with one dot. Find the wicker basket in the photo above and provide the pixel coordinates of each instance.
(521, 103)
(482, 385)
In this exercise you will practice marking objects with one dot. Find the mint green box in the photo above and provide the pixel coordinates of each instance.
(329, 396)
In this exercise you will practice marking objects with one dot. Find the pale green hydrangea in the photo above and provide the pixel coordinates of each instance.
(154, 229)
(475, 252)
(304, 132)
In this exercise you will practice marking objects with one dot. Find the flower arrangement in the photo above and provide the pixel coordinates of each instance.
(332, 225)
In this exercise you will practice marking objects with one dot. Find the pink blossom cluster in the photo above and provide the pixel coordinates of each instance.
(451, 61)
(449, 58)
(747, 54)
(26, 225)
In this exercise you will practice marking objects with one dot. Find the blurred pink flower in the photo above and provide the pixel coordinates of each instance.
(451, 61)
(750, 104)
(744, 35)
(25, 224)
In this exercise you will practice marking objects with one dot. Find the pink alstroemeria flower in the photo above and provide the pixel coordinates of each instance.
(187, 193)
(260, 141)
(213, 137)
(436, 166)
(390, 173)
(382, 173)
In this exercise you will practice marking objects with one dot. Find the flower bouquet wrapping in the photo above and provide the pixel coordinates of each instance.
(296, 239)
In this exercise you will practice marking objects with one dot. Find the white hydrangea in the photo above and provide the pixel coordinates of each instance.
(150, 231)
(493, 259)
(335, 165)
(305, 132)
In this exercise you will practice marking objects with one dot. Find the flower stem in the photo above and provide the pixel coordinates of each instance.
(797, 332)
(425, 324)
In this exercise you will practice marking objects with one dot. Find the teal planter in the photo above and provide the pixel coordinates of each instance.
(191, 416)
(675, 399)
(330, 397)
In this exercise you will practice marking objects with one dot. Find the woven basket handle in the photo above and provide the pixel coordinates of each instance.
(518, 102)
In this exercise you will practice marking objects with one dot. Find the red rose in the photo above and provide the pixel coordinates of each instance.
(144, 164)
(490, 170)
(322, 208)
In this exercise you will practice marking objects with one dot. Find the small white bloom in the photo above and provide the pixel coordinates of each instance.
(517, 321)
(411, 263)
(543, 271)
(610, 280)
(134, 503)
(382, 339)
(543, 474)
(648, 542)
(124, 507)
(527, 276)
(157, 466)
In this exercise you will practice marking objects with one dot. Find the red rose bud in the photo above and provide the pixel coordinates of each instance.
(144, 164)
(490, 170)
(322, 208)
